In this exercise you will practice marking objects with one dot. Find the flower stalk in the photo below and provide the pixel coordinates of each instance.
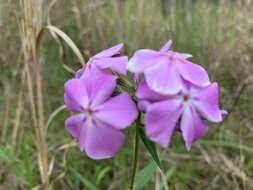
(136, 152)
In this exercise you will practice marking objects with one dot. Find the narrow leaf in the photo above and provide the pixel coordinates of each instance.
(143, 176)
(150, 146)
(88, 184)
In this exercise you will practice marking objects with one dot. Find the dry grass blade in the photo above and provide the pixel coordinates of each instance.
(64, 36)
(52, 115)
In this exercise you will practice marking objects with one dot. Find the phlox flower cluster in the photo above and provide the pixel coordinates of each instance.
(173, 93)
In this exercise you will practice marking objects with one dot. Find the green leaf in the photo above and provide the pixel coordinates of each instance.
(167, 176)
(88, 184)
(143, 176)
(102, 174)
(150, 146)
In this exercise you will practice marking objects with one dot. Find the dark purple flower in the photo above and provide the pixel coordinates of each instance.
(165, 70)
(108, 59)
(100, 117)
(184, 111)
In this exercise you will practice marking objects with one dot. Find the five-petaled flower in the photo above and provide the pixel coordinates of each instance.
(165, 70)
(110, 58)
(101, 117)
(184, 111)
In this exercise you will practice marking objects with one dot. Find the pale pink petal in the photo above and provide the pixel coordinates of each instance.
(110, 51)
(161, 119)
(206, 101)
(119, 111)
(163, 78)
(142, 59)
(102, 141)
(76, 96)
(193, 73)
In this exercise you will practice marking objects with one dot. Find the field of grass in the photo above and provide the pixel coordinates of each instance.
(36, 152)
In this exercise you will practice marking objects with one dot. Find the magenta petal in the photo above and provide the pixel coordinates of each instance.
(103, 141)
(166, 46)
(143, 59)
(161, 119)
(163, 78)
(119, 111)
(193, 73)
(206, 102)
(74, 124)
(144, 92)
(117, 64)
(75, 97)
(110, 51)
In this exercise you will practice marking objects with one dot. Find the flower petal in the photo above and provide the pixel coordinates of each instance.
(143, 59)
(75, 97)
(143, 104)
(145, 93)
(187, 127)
(100, 84)
(166, 46)
(163, 78)
(161, 119)
(192, 126)
(206, 102)
(117, 64)
(103, 141)
(110, 51)
(74, 124)
(193, 73)
(119, 111)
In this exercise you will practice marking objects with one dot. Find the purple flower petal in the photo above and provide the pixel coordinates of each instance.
(117, 64)
(102, 141)
(119, 111)
(207, 103)
(100, 85)
(166, 46)
(74, 124)
(75, 97)
(144, 92)
(161, 119)
(187, 127)
(192, 126)
(193, 73)
(110, 51)
(200, 127)
(143, 104)
(163, 78)
(143, 59)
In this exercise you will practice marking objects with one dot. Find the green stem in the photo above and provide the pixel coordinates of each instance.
(136, 151)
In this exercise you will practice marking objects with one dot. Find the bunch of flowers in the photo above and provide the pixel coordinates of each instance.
(173, 93)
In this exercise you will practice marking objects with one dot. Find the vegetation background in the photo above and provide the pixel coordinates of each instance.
(36, 152)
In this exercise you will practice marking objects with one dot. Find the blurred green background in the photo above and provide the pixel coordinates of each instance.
(219, 35)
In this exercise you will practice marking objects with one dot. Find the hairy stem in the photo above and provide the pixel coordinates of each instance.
(136, 151)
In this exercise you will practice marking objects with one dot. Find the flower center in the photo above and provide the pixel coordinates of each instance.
(186, 97)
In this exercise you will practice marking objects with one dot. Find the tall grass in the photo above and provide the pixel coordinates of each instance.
(35, 150)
